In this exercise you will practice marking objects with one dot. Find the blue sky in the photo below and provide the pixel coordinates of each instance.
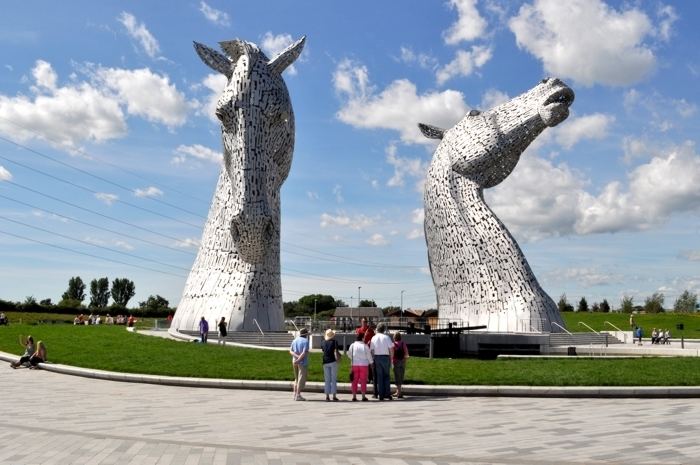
(110, 150)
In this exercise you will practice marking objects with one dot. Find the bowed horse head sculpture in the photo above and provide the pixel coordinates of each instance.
(257, 125)
(480, 274)
(237, 270)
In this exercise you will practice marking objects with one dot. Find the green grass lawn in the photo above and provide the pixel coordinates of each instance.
(691, 322)
(62, 318)
(115, 349)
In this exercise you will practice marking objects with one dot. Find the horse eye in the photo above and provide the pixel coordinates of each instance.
(474, 113)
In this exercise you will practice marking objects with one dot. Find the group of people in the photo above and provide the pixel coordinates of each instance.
(372, 354)
(33, 354)
(660, 336)
(204, 330)
(96, 319)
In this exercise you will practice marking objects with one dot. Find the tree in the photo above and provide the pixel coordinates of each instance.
(123, 290)
(595, 307)
(564, 305)
(367, 303)
(627, 304)
(582, 305)
(29, 300)
(155, 304)
(99, 293)
(686, 302)
(76, 290)
(605, 306)
(654, 303)
(305, 305)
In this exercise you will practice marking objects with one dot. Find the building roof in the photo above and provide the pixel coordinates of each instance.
(358, 312)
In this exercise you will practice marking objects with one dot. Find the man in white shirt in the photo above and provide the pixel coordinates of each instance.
(382, 348)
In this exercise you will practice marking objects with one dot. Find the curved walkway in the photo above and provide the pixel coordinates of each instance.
(48, 418)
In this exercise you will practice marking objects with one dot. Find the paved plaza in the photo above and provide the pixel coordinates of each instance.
(50, 418)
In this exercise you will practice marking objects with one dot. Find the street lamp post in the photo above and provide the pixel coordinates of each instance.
(402, 303)
(315, 311)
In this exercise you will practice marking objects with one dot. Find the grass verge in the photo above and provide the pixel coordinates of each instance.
(114, 349)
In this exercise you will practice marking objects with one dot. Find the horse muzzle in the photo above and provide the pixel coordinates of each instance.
(253, 235)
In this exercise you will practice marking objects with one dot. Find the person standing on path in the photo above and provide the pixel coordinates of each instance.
(382, 348)
(360, 361)
(299, 350)
(223, 331)
(331, 356)
(203, 330)
(399, 360)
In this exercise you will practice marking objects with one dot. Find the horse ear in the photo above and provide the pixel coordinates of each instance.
(287, 57)
(214, 59)
(431, 132)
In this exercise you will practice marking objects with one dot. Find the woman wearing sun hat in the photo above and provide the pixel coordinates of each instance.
(331, 355)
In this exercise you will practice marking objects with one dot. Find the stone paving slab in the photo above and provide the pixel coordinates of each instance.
(49, 418)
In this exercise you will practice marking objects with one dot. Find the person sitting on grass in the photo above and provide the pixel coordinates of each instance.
(39, 356)
(3, 319)
(29, 349)
(654, 336)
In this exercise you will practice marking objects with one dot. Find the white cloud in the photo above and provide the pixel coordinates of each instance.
(356, 223)
(124, 245)
(109, 199)
(415, 233)
(423, 60)
(669, 183)
(146, 94)
(377, 240)
(588, 277)
(150, 191)
(216, 83)
(312, 195)
(542, 199)
(691, 255)
(464, 63)
(538, 200)
(273, 44)
(218, 17)
(404, 167)
(44, 75)
(593, 126)
(63, 116)
(492, 98)
(418, 216)
(586, 40)
(667, 16)
(200, 152)
(140, 33)
(685, 108)
(338, 193)
(398, 107)
(634, 148)
(469, 26)
(4, 174)
(187, 243)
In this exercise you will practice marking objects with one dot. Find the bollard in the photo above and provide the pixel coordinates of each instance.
(682, 342)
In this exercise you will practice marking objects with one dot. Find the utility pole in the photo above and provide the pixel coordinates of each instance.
(402, 303)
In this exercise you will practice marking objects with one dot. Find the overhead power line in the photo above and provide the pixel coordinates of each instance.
(87, 189)
(102, 228)
(121, 252)
(91, 157)
(92, 211)
(66, 249)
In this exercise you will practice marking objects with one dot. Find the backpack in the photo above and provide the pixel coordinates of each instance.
(399, 350)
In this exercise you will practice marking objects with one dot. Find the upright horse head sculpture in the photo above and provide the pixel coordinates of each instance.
(237, 271)
(480, 274)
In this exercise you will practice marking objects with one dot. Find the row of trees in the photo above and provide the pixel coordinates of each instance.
(322, 304)
(687, 302)
(123, 289)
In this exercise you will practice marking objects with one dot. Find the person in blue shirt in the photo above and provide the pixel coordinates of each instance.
(299, 350)
(203, 330)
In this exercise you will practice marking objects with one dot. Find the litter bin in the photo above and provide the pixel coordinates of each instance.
(680, 326)
(571, 351)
